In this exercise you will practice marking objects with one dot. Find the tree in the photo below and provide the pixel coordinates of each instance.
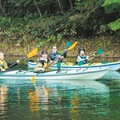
(71, 5)
(37, 7)
(60, 5)
(112, 7)
(2, 8)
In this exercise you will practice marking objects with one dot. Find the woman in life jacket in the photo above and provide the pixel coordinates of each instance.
(5, 65)
(42, 62)
(81, 57)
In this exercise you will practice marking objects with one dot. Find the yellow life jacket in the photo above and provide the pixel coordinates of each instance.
(45, 65)
(3, 65)
(41, 67)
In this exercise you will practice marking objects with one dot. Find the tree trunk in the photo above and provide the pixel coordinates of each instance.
(60, 6)
(98, 5)
(71, 5)
(2, 8)
(35, 2)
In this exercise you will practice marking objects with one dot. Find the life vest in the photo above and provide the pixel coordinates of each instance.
(45, 65)
(83, 57)
(79, 58)
(41, 65)
(3, 65)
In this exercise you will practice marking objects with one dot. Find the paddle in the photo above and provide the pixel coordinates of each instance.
(29, 55)
(68, 44)
(71, 47)
(82, 61)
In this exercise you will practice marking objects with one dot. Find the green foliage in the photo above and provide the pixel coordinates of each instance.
(42, 20)
(103, 28)
(51, 38)
(59, 37)
(39, 45)
(21, 2)
(114, 25)
(109, 2)
(112, 7)
(84, 5)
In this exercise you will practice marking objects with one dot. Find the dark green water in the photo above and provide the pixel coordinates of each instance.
(76, 100)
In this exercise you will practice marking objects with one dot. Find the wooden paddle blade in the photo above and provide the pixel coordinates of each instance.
(72, 46)
(32, 53)
(99, 51)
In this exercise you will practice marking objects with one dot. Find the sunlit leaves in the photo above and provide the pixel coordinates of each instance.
(59, 37)
(114, 25)
(51, 38)
(39, 45)
(112, 7)
(109, 2)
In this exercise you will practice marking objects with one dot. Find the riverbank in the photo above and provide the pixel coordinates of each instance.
(109, 45)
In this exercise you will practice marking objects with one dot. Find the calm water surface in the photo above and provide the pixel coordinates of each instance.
(50, 100)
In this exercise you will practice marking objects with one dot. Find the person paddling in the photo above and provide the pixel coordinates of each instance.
(42, 62)
(54, 54)
(5, 65)
(81, 57)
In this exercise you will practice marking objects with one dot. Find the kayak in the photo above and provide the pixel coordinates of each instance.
(79, 74)
(67, 65)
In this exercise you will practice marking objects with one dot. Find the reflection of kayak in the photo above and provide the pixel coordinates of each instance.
(96, 85)
(67, 65)
(112, 75)
(81, 74)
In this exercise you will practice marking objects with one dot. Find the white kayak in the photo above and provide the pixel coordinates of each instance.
(67, 65)
(80, 74)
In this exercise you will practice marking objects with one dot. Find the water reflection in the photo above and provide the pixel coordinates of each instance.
(3, 100)
(73, 99)
(38, 96)
(112, 75)
(63, 100)
(33, 100)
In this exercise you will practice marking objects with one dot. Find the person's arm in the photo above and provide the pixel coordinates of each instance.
(12, 64)
(1, 67)
(78, 59)
(89, 58)
(64, 55)
(1, 64)
(53, 56)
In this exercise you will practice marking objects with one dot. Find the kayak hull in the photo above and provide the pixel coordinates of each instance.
(79, 74)
(111, 65)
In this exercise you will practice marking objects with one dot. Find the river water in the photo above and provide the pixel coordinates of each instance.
(50, 100)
